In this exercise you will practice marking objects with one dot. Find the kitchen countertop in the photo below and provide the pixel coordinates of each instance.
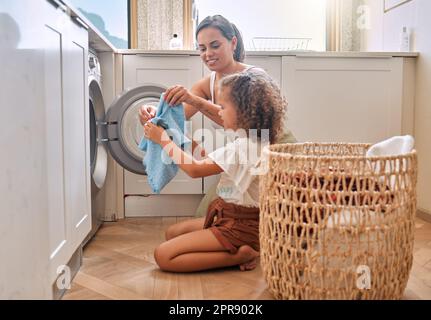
(100, 43)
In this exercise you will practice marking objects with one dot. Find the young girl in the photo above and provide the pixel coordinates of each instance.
(229, 235)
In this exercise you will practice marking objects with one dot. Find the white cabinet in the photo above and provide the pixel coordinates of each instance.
(46, 213)
(67, 127)
(76, 134)
(53, 36)
(163, 71)
(24, 226)
(347, 99)
(271, 64)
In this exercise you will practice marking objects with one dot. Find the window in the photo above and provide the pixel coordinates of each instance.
(110, 17)
(273, 24)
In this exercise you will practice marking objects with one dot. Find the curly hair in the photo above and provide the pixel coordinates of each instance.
(258, 100)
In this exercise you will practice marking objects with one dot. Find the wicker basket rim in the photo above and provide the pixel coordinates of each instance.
(267, 150)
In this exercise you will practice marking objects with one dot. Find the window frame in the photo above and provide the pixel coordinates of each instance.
(132, 7)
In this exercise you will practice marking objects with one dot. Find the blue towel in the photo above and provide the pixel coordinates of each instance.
(158, 165)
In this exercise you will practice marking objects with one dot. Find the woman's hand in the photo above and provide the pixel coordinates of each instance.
(154, 133)
(146, 113)
(178, 94)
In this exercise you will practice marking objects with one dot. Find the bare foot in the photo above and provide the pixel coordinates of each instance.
(249, 256)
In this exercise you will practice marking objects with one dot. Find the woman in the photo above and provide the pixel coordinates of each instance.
(222, 51)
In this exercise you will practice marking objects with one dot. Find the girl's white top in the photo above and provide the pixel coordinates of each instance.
(239, 160)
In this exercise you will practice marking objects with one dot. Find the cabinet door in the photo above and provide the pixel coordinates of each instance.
(59, 246)
(272, 65)
(164, 71)
(76, 131)
(343, 99)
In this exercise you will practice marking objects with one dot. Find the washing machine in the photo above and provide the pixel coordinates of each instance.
(98, 148)
(116, 132)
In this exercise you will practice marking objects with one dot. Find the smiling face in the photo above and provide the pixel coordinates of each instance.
(216, 51)
(228, 111)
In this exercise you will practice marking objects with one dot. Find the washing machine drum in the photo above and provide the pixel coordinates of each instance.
(98, 152)
(124, 128)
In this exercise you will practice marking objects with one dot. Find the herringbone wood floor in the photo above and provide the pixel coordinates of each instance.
(118, 264)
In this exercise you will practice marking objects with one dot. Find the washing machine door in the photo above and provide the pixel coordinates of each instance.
(124, 128)
(98, 151)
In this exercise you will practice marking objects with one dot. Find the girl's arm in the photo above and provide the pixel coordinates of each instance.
(198, 150)
(192, 167)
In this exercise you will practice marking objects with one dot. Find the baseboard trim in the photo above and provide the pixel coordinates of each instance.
(163, 205)
(423, 215)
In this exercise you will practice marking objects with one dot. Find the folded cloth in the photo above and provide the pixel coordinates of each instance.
(159, 167)
(394, 146)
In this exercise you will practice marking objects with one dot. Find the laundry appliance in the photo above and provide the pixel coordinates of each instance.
(115, 133)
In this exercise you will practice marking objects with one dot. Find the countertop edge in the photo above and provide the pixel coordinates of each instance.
(322, 54)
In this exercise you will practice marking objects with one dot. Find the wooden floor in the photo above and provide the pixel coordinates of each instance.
(118, 264)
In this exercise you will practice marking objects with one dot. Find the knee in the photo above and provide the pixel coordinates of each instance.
(162, 258)
(171, 232)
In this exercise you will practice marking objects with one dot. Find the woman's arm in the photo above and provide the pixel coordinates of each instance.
(208, 108)
(194, 100)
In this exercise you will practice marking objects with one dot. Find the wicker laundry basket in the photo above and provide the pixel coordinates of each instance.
(335, 224)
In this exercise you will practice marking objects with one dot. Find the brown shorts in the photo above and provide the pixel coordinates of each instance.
(234, 226)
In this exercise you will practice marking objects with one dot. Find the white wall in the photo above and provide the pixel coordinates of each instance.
(423, 101)
(273, 18)
(384, 35)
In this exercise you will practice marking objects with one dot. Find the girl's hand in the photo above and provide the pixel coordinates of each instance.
(178, 94)
(146, 113)
(154, 133)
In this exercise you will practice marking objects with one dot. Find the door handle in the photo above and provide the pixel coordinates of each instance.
(106, 140)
